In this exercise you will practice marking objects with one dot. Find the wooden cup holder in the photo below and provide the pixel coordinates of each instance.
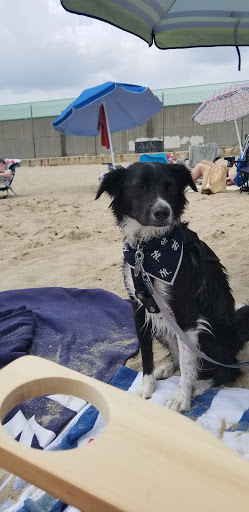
(147, 459)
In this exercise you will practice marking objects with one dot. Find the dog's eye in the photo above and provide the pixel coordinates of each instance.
(168, 187)
(140, 187)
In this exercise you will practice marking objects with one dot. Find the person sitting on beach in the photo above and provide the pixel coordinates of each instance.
(204, 165)
(4, 173)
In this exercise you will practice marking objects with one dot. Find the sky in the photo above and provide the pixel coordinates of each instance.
(48, 53)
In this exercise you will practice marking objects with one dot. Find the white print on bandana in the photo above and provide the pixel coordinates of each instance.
(175, 245)
(164, 241)
(156, 255)
(164, 273)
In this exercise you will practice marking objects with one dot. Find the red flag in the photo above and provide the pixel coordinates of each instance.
(103, 127)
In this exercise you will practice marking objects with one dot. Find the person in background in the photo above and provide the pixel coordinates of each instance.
(199, 169)
(4, 173)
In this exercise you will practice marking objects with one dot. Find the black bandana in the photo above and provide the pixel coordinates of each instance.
(162, 256)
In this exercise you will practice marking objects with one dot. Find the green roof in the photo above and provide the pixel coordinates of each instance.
(50, 108)
(190, 94)
(173, 96)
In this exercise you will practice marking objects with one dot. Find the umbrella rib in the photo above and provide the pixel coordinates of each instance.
(127, 114)
(163, 16)
(244, 99)
(76, 111)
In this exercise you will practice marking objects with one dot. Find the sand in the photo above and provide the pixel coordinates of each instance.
(55, 234)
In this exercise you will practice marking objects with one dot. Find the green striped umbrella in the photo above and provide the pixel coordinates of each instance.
(173, 24)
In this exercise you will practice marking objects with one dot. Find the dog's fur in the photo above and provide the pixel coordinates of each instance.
(148, 200)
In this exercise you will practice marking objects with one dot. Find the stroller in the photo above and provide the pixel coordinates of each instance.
(6, 184)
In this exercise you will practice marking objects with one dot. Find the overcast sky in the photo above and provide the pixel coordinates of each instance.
(47, 53)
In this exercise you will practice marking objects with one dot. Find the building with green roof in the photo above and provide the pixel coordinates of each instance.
(171, 97)
(26, 131)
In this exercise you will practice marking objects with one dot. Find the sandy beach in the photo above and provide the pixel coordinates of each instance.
(55, 234)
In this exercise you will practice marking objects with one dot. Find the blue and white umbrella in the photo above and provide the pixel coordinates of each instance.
(227, 104)
(125, 107)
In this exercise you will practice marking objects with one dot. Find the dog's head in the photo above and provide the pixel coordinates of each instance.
(147, 195)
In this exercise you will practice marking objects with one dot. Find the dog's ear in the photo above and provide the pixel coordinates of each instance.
(185, 176)
(111, 182)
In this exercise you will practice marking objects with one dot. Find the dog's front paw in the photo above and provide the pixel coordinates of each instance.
(164, 371)
(147, 387)
(179, 401)
(201, 386)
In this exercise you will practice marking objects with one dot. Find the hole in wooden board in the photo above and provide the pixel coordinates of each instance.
(54, 420)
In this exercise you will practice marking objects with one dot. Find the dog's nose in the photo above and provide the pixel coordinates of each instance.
(161, 214)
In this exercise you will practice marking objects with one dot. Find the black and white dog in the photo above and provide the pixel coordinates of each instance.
(148, 201)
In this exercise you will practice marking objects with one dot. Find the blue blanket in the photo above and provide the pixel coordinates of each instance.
(16, 333)
(91, 331)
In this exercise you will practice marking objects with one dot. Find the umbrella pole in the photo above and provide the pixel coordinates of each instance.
(109, 137)
(238, 134)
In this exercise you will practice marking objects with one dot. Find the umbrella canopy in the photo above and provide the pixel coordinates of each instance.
(125, 106)
(227, 104)
(173, 23)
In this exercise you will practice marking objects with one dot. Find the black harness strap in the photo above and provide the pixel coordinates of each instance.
(153, 303)
(143, 294)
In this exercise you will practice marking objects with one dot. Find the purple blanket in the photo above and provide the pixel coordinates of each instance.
(91, 331)
(16, 333)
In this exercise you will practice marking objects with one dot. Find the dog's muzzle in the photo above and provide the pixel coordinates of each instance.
(160, 215)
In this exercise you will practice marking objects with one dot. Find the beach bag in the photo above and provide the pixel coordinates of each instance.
(214, 179)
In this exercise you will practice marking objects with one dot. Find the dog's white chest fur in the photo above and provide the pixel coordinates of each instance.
(148, 201)
(160, 327)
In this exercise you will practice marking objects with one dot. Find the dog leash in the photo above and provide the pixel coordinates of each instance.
(139, 269)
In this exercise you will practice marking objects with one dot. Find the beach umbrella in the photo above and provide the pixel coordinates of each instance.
(227, 104)
(173, 23)
(109, 107)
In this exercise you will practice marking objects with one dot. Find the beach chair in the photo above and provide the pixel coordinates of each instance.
(6, 184)
(158, 157)
(242, 176)
(209, 151)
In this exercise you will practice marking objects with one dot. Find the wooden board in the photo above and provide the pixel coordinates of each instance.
(148, 458)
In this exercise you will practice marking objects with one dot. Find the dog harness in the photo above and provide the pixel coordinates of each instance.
(162, 256)
(144, 268)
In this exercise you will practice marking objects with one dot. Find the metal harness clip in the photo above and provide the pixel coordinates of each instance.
(139, 258)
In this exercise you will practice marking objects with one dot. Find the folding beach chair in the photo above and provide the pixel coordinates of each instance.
(209, 151)
(6, 184)
(242, 176)
(157, 157)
